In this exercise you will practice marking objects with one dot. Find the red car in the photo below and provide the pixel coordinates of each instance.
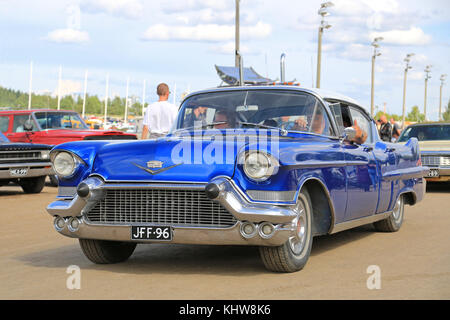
(52, 127)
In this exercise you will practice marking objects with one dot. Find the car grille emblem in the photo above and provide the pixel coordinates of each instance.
(154, 164)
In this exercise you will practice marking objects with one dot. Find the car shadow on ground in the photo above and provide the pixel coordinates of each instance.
(184, 259)
(438, 187)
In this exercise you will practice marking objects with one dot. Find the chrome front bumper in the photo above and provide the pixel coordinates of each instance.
(228, 195)
(35, 169)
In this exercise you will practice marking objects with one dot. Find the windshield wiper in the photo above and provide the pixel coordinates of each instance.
(283, 132)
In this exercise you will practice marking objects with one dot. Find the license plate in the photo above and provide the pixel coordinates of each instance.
(18, 172)
(151, 233)
(433, 173)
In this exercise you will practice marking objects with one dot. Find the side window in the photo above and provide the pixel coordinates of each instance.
(4, 123)
(362, 122)
(321, 123)
(19, 121)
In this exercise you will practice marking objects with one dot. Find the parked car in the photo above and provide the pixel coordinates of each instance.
(434, 141)
(52, 127)
(25, 164)
(267, 166)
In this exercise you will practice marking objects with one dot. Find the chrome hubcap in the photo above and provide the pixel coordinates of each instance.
(297, 242)
(398, 210)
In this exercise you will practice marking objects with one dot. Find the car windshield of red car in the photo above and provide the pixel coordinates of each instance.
(60, 120)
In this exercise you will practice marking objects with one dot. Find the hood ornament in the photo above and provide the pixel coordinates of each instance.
(154, 164)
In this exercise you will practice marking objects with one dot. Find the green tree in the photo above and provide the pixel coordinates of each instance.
(415, 115)
(446, 114)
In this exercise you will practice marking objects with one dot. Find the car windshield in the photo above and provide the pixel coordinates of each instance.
(426, 133)
(3, 138)
(60, 120)
(286, 110)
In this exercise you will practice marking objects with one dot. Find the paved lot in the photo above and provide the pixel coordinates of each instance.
(414, 262)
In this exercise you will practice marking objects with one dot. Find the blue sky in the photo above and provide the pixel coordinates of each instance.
(179, 41)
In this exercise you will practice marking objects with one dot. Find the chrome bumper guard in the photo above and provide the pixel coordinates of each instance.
(227, 194)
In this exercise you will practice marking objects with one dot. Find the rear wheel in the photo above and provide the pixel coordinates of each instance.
(294, 253)
(106, 252)
(32, 185)
(395, 220)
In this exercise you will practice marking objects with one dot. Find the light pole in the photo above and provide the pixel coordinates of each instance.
(375, 45)
(443, 76)
(427, 76)
(323, 25)
(236, 60)
(407, 60)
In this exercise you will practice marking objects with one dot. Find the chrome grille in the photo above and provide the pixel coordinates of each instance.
(160, 206)
(12, 156)
(435, 161)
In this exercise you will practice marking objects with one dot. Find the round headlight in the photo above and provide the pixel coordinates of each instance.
(64, 164)
(259, 166)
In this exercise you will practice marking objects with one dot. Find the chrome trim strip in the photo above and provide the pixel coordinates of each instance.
(153, 186)
(272, 196)
(403, 174)
(359, 222)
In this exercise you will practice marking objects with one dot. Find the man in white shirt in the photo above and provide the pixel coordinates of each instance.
(159, 116)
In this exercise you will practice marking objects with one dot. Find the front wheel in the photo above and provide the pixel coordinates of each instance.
(106, 252)
(294, 253)
(32, 185)
(395, 220)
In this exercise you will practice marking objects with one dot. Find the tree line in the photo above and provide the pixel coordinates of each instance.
(16, 99)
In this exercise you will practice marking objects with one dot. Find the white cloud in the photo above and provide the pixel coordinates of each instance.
(130, 9)
(205, 32)
(68, 36)
(413, 36)
(229, 48)
(68, 87)
(174, 6)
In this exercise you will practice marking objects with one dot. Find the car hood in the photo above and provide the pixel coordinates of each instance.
(438, 145)
(167, 159)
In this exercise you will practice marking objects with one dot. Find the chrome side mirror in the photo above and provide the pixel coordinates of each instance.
(349, 134)
(28, 125)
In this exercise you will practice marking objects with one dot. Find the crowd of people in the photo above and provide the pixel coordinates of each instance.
(389, 130)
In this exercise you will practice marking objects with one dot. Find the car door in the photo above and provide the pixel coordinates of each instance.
(361, 169)
(18, 132)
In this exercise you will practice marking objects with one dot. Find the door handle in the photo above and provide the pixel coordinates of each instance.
(390, 149)
(367, 149)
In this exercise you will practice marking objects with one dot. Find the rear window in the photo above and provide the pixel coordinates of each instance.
(4, 123)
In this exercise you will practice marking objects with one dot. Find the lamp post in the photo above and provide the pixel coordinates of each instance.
(323, 25)
(443, 77)
(375, 45)
(236, 60)
(407, 67)
(427, 76)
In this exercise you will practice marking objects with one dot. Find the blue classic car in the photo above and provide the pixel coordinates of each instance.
(25, 164)
(267, 166)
